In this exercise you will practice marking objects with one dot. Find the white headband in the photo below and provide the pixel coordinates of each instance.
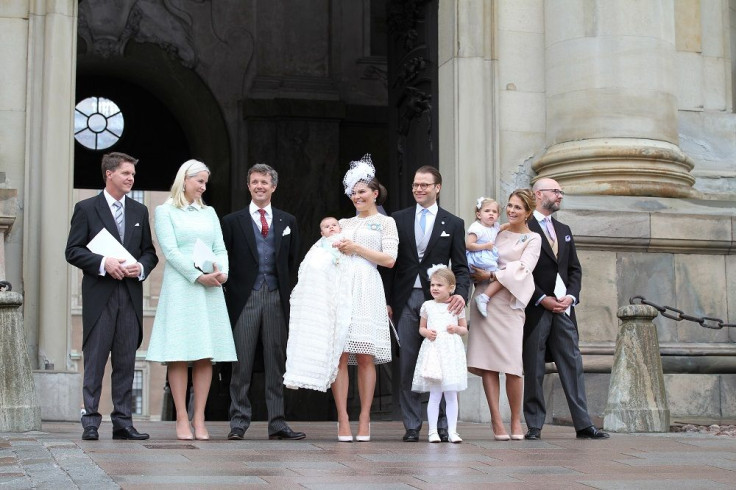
(360, 171)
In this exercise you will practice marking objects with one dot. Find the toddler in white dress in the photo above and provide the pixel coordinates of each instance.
(441, 368)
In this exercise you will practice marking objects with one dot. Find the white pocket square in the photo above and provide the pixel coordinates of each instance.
(568, 238)
(137, 224)
(287, 231)
(444, 234)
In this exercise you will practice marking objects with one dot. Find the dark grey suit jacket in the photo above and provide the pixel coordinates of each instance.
(446, 244)
(240, 241)
(89, 218)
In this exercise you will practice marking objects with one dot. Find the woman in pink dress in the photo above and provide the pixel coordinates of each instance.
(495, 342)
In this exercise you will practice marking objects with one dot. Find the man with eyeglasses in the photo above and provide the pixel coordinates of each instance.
(550, 329)
(428, 235)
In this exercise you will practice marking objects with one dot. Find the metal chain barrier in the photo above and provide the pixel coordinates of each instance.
(678, 315)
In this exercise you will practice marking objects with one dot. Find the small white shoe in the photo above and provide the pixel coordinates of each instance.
(481, 301)
(455, 438)
(433, 436)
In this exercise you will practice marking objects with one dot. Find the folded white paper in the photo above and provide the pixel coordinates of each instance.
(105, 244)
(561, 291)
(204, 257)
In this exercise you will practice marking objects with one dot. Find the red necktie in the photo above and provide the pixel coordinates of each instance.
(264, 223)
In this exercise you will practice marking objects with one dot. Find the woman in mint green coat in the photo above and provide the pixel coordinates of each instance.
(191, 324)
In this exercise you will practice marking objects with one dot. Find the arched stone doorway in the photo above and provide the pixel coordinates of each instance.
(158, 91)
(306, 101)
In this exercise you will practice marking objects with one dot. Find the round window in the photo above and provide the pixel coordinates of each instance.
(98, 123)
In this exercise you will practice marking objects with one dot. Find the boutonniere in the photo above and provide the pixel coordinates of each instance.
(287, 231)
(568, 238)
(375, 226)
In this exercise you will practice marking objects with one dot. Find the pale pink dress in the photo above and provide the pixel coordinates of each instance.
(495, 343)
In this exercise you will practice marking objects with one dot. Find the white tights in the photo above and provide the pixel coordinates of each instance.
(433, 409)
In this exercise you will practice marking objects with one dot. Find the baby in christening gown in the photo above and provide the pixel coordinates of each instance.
(320, 313)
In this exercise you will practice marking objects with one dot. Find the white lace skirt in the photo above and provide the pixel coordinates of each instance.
(369, 330)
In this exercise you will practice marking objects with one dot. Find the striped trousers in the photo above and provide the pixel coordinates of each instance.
(262, 320)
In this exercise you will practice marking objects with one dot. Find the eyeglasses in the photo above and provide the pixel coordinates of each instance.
(557, 192)
(422, 186)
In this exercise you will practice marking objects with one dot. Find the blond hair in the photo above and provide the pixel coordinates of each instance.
(527, 197)
(483, 201)
(190, 168)
(446, 274)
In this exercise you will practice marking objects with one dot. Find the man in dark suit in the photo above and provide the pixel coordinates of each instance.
(428, 235)
(262, 244)
(550, 329)
(112, 293)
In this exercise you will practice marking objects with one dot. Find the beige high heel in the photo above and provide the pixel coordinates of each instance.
(184, 436)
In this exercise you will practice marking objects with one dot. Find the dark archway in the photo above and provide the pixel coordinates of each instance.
(179, 97)
(150, 133)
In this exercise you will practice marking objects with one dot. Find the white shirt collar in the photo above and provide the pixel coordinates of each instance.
(432, 209)
(254, 209)
(539, 216)
(111, 200)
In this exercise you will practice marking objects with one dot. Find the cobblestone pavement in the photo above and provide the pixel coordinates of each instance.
(57, 458)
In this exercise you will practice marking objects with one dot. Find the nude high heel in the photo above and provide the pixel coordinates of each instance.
(182, 435)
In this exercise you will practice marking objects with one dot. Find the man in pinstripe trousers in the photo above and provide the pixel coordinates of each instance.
(262, 243)
(550, 329)
(112, 293)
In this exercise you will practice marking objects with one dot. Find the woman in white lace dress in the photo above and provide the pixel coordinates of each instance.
(372, 240)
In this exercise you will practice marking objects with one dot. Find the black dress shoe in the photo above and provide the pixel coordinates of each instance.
(129, 433)
(288, 434)
(444, 435)
(533, 434)
(412, 435)
(592, 433)
(90, 433)
(236, 434)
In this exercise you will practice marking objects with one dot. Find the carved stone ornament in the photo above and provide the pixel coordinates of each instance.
(107, 27)
(402, 21)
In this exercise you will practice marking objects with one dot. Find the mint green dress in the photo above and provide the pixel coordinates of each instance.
(191, 320)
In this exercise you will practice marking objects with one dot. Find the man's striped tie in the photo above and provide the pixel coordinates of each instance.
(119, 219)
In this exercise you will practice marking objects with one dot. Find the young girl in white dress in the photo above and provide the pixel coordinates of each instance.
(480, 244)
(441, 367)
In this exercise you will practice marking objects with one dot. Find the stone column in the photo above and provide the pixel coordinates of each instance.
(467, 109)
(8, 209)
(637, 401)
(611, 99)
(49, 167)
(19, 409)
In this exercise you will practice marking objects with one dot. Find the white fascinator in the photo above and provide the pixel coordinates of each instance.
(479, 202)
(360, 171)
(435, 268)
